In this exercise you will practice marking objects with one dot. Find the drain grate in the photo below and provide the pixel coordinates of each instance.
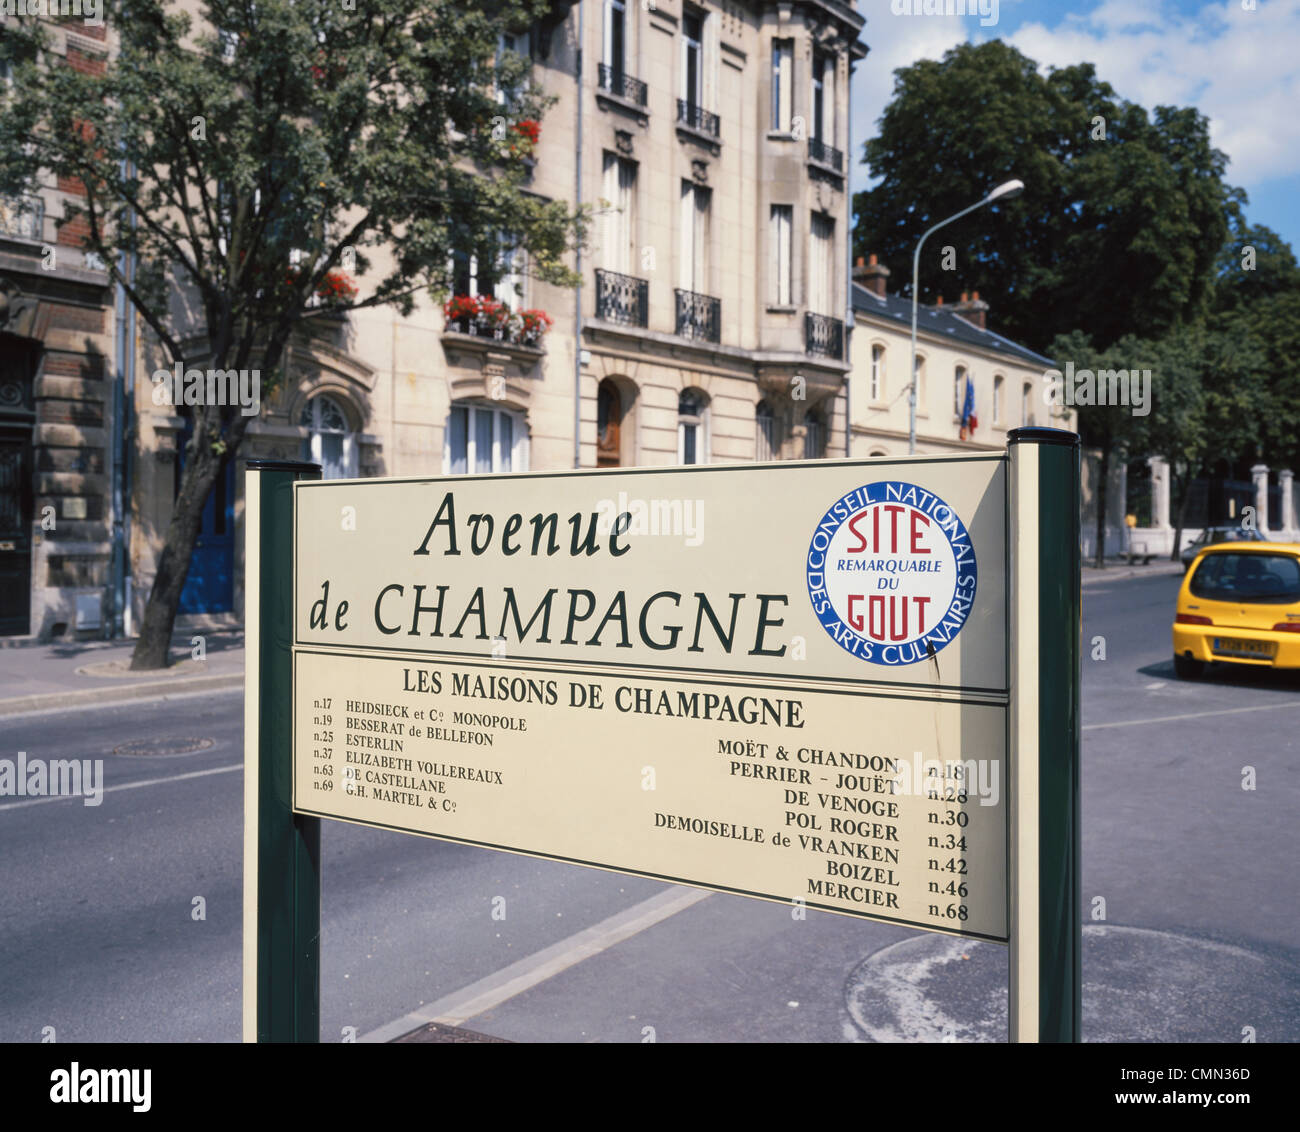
(151, 748)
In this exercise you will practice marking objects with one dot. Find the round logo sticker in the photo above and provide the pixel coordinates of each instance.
(891, 573)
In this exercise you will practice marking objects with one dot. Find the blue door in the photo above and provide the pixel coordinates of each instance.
(210, 584)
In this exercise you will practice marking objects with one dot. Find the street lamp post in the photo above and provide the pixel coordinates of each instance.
(1004, 191)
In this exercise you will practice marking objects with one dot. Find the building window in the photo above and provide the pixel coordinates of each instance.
(512, 278)
(480, 438)
(767, 433)
(330, 441)
(495, 267)
(782, 238)
(997, 398)
(821, 265)
(877, 373)
(693, 58)
(959, 390)
(609, 425)
(918, 376)
(619, 228)
(692, 427)
(814, 437)
(823, 98)
(782, 64)
(615, 46)
(1026, 404)
(516, 43)
(696, 204)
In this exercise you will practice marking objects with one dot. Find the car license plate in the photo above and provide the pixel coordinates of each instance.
(1250, 650)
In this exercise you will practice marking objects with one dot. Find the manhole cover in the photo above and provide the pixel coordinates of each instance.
(153, 747)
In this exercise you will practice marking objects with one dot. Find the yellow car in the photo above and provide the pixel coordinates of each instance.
(1239, 604)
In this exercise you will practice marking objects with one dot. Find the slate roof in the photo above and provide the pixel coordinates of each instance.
(941, 322)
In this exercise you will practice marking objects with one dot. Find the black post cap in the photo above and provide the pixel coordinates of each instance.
(260, 465)
(1037, 435)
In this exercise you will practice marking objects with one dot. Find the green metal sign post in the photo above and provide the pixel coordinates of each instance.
(281, 1001)
(1045, 632)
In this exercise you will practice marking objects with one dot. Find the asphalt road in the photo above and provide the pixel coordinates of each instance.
(98, 935)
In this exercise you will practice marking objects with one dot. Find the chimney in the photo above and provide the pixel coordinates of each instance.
(972, 309)
(871, 275)
(938, 302)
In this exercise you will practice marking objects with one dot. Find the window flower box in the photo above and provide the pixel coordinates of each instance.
(483, 316)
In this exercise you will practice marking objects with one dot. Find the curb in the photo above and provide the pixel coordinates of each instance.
(1092, 575)
(146, 689)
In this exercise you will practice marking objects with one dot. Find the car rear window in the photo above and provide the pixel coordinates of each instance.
(1263, 578)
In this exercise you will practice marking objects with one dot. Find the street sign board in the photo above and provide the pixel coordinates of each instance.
(787, 680)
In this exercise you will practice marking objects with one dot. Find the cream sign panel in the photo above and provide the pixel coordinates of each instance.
(837, 571)
(890, 807)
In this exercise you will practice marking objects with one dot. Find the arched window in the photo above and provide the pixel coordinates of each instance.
(814, 437)
(997, 398)
(330, 441)
(1027, 404)
(484, 438)
(767, 432)
(609, 425)
(692, 427)
(918, 375)
(877, 373)
(959, 389)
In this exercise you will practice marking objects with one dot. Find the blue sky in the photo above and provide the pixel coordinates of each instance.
(1237, 61)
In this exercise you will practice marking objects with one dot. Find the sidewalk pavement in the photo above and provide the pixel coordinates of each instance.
(70, 674)
(1118, 568)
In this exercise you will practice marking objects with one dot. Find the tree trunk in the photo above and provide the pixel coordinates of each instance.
(202, 466)
(1104, 476)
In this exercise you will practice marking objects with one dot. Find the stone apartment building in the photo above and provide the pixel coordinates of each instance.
(712, 141)
(58, 398)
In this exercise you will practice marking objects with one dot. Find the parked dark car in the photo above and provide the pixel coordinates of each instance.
(1218, 534)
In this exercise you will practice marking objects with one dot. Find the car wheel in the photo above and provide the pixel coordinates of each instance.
(1185, 668)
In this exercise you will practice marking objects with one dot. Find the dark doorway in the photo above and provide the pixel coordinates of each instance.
(609, 425)
(18, 358)
(210, 583)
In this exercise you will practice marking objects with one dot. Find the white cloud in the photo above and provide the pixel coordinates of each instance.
(1238, 67)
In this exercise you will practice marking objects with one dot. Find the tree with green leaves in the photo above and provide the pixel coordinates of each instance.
(1122, 216)
(1113, 430)
(246, 158)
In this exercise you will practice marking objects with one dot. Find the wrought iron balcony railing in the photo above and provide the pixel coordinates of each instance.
(825, 154)
(823, 336)
(622, 298)
(688, 114)
(619, 83)
(699, 316)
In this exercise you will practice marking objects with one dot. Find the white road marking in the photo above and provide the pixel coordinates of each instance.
(492, 990)
(124, 786)
(1189, 715)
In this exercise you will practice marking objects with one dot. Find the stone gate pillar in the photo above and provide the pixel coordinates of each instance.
(1259, 474)
(1159, 492)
